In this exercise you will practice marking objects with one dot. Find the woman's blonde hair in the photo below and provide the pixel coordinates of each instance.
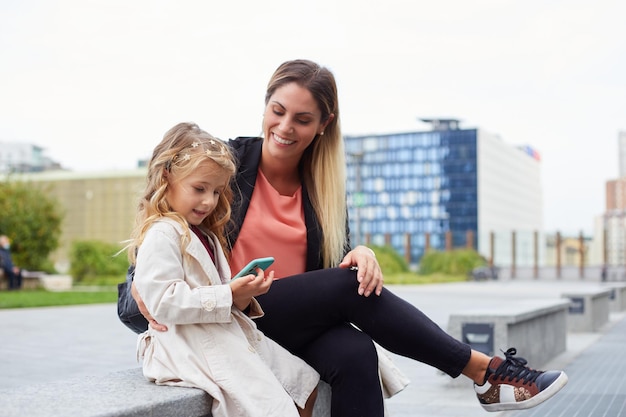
(183, 148)
(323, 163)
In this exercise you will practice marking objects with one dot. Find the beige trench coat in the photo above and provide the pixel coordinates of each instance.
(210, 344)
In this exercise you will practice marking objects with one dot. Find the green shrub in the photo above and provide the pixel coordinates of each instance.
(93, 259)
(454, 262)
(390, 261)
(32, 220)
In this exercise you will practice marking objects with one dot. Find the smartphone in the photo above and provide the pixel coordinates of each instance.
(262, 263)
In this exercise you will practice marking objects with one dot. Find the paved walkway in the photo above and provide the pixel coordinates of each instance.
(41, 345)
(597, 384)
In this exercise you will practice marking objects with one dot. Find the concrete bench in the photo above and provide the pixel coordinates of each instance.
(118, 394)
(536, 328)
(31, 279)
(617, 296)
(589, 309)
(36, 279)
(28, 281)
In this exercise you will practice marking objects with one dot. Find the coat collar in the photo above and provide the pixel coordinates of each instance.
(198, 252)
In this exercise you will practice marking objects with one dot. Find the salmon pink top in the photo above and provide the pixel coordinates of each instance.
(273, 226)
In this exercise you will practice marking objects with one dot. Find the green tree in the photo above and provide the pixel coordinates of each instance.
(31, 218)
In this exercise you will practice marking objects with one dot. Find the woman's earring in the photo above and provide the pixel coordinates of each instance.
(322, 133)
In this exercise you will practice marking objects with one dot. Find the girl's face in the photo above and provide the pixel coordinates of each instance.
(291, 121)
(195, 196)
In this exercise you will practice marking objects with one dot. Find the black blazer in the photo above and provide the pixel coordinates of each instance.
(247, 152)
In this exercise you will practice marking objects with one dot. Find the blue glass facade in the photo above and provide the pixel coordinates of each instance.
(413, 183)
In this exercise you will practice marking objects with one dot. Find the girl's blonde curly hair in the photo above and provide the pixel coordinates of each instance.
(183, 148)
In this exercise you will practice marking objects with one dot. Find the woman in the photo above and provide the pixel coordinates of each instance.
(291, 205)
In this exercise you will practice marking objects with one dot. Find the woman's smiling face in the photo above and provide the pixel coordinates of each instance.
(291, 121)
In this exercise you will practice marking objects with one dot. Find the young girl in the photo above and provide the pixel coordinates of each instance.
(182, 274)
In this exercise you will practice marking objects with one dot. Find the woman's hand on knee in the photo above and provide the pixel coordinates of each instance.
(369, 274)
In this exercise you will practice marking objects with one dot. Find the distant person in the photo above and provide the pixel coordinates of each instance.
(328, 304)
(182, 275)
(11, 271)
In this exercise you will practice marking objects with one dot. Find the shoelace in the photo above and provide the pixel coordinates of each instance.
(515, 369)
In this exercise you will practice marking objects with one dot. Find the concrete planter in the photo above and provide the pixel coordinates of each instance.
(56, 282)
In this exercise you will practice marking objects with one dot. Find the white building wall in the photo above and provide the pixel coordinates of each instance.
(596, 245)
(615, 227)
(621, 138)
(510, 198)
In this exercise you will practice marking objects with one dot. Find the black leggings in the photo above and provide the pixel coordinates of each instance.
(310, 315)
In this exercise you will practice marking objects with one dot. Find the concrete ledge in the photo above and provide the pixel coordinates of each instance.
(124, 393)
(589, 309)
(536, 328)
(617, 296)
(118, 394)
(56, 282)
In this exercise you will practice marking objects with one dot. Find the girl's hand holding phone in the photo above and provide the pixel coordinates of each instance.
(249, 286)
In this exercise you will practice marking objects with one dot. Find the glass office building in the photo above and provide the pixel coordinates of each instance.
(429, 183)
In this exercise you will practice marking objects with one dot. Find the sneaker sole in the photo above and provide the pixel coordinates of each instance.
(547, 393)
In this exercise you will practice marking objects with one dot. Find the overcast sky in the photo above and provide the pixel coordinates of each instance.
(97, 83)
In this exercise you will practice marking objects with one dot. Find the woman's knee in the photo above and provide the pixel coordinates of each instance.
(339, 282)
(354, 357)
